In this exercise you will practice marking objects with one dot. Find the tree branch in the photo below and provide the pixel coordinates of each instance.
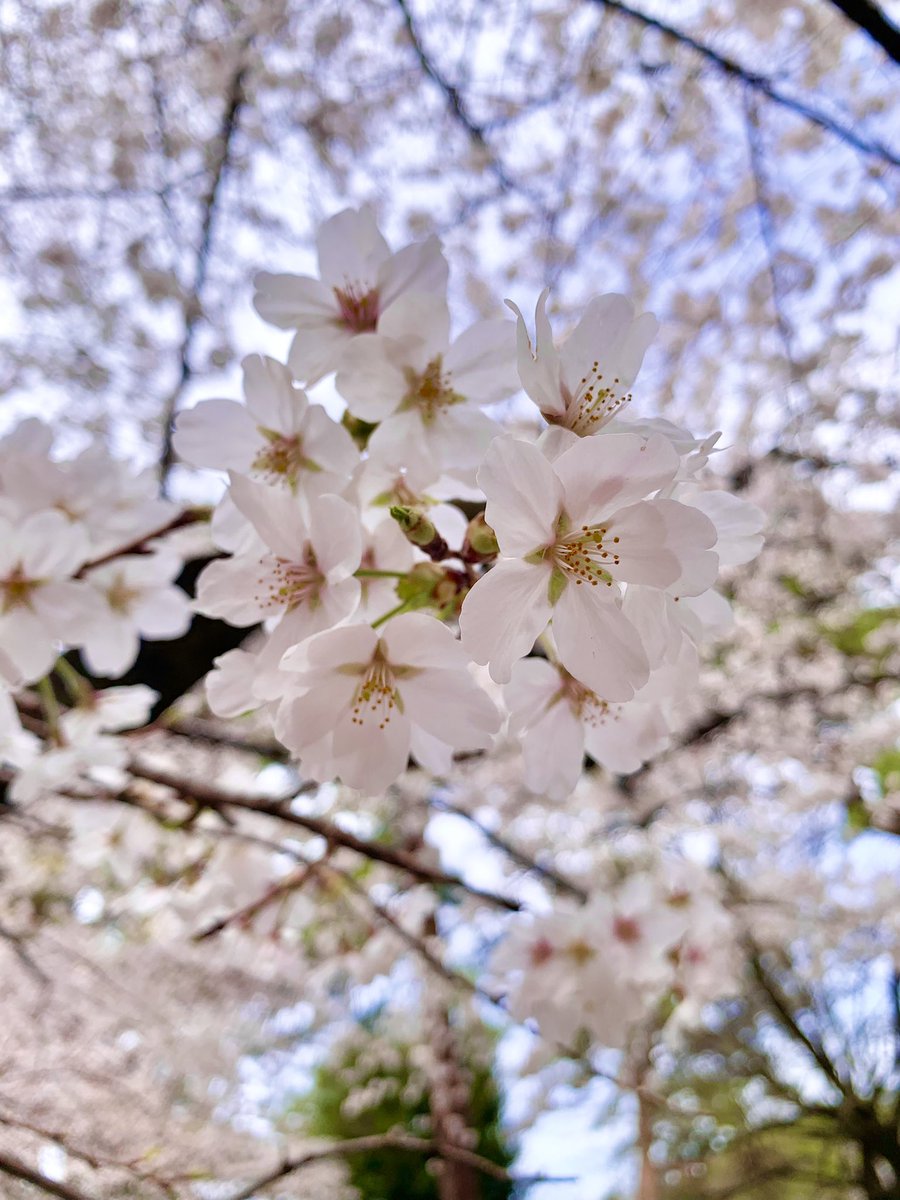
(519, 857)
(221, 801)
(477, 133)
(870, 18)
(19, 1170)
(760, 83)
(193, 312)
(393, 1141)
(767, 228)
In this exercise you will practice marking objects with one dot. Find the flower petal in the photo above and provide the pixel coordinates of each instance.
(504, 614)
(598, 644)
(524, 496)
(611, 470)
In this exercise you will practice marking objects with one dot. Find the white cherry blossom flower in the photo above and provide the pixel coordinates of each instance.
(360, 279)
(276, 435)
(17, 746)
(739, 524)
(230, 685)
(134, 597)
(360, 700)
(41, 605)
(385, 480)
(304, 574)
(424, 390)
(97, 756)
(559, 720)
(570, 533)
(583, 383)
(109, 710)
(597, 969)
(114, 505)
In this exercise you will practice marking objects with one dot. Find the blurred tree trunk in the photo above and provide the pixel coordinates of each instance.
(449, 1104)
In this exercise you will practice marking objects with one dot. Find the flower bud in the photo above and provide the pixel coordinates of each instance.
(419, 585)
(481, 541)
(420, 530)
(414, 523)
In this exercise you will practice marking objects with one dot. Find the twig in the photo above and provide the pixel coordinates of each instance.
(519, 857)
(760, 83)
(394, 1141)
(9, 1165)
(193, 310)
(871, 19)
(213, 798)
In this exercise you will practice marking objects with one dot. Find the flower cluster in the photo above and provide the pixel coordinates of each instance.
(577, 558)
(583, 581)
(658, 945)
(440, 564)
(81, 569)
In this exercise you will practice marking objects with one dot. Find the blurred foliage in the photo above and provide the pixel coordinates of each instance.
(403, 1104)
(739, 1123)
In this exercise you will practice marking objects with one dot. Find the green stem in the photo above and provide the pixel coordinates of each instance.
(75, 684)
(365, 573)
(547, 645)
(394, 612)
(50, 705)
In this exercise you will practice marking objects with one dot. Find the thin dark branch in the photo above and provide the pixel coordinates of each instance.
(870, 18)
(218, 801)
(767, 228)
(519, 857)
(193, 313)
(456, 104)
(761, 83)
(781, 1005)
(10, 1165)
(392, 1141)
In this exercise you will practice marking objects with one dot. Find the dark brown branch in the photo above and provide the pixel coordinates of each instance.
(760, 83)
(19, 1170)
(392, 1141)
(219, 801)
(193, 312)
(788, 1020)
(455, 103)
(519, 857)
(870, 18)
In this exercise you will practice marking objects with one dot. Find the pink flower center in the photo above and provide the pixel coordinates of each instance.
(627, 930)
(359, 309)
(286, 584)
(585, 704)
(541, 952)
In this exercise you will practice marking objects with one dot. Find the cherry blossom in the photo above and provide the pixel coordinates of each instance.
(596, 969)
(570, 534)
(582, 384)
(303, 571)
(112, 503)
(276, 435)
(134, 597)
(359, 280)
(359, 701)
(41, 605)
(423, 390)
(558, 720)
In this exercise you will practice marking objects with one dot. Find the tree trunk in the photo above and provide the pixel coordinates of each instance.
(449, 1104)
